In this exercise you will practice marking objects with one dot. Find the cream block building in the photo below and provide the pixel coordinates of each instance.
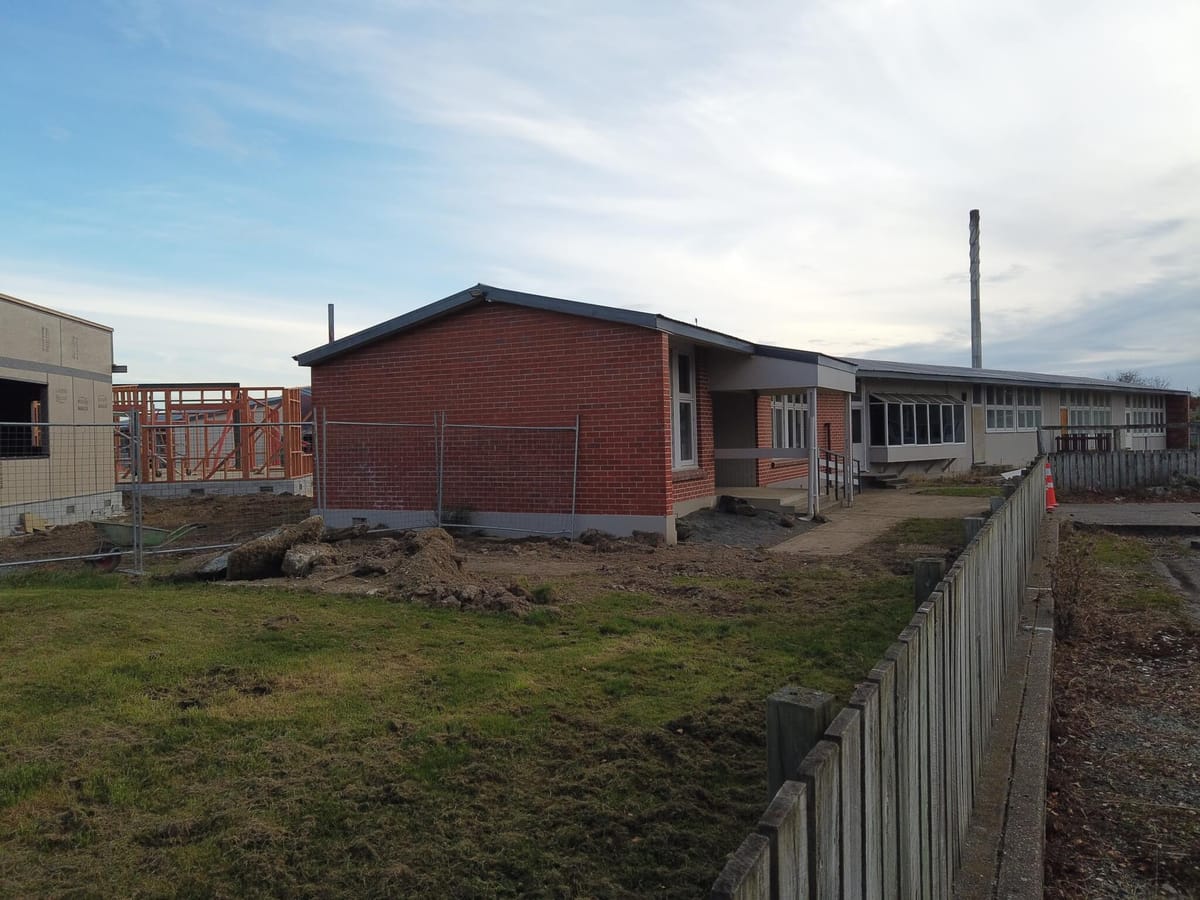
(56, 423)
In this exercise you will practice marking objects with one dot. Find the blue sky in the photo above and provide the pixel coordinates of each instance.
(206, 176)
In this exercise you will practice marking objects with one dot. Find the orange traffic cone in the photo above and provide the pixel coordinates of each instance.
(1051, 500)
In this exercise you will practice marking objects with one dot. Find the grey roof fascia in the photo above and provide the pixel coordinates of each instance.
(808, 356)
(490, 293)
(698, 335)
(878, 368)
(571, 307)
(385, 329)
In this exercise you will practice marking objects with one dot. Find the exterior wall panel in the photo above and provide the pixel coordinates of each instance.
(508, 365)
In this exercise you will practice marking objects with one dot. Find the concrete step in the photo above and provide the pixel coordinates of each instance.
(883, 480)
(792, 504)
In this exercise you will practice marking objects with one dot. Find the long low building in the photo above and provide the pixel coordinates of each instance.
(56, 425)
(911, 417)
(521, 412)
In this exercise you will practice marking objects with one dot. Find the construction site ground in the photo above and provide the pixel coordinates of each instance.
(354, 733)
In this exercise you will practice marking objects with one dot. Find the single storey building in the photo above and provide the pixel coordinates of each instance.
(926, 419)
(56, 426)
(656, 417)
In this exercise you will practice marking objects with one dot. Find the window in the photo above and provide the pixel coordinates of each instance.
(683, 409)
(1088, 408)
(916, 421)
(22, 413)
(1013, 409)
(856, 426)
(1148, 411)
(789, 420)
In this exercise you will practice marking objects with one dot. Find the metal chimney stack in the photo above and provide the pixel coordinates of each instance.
(976, 328)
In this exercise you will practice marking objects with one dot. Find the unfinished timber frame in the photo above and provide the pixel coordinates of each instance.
(232, 437)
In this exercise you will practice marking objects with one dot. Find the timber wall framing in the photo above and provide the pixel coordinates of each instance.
(879, 807)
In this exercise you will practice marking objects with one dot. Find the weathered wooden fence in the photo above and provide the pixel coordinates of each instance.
(879, 807)
(1121, 470)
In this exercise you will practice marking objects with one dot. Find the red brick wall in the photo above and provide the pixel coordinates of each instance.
(502, 364)
(831, 410)
(688, 484)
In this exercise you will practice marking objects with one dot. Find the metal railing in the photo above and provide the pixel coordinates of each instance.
(833, 469)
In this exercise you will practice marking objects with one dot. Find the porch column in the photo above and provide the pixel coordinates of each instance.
(848, 475)
(814, 476)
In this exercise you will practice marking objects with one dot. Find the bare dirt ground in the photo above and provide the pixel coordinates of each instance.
(1123, 798)
(1181, 491)
(226, 519)
(724, 555)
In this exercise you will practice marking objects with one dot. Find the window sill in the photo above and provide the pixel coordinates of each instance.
(687, 473)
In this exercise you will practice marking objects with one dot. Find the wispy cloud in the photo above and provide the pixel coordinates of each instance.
(799, 173)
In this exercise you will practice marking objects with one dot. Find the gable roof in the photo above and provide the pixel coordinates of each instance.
(484, 293)
(880, 368)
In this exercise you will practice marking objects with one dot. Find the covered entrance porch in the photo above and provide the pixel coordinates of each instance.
(782, 428)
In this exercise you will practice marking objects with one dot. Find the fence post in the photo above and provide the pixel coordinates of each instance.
(796, 719)
(324, 461)
(971, 526)
(439, 454)
(927, 572)
(136, 490)
(575, 478)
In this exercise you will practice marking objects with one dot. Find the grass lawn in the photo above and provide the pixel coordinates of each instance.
(204, 740)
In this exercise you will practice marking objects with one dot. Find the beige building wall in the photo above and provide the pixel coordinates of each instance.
(72, 359)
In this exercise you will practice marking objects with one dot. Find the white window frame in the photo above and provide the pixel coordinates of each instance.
(1009, 408)
(1147, 412)
(951, 410)
(679, 398)
(789, 412)
(1088, 408)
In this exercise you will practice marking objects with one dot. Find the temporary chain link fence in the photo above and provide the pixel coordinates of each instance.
(120, 495)
(495, 477)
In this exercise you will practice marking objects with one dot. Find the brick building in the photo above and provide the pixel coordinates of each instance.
(518, 409)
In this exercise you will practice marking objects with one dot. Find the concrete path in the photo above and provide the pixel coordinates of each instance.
(1003, 855)
(873, 513)
(1168, 517)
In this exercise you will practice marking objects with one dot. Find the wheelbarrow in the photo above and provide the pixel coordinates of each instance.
(118, 537)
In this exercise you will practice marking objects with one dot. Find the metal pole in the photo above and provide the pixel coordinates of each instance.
(439, 453)
(976, 328)
(814, 475)
(324, 461)
(848, 466)
(575, 475)
(136, 436)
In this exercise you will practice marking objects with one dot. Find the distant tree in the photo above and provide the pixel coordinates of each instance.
(1136, 376)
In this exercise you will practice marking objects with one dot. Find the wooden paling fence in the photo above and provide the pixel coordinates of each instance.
(1121, 470)
(879, 807)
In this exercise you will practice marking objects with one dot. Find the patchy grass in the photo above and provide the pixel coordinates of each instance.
(964, 490)
(199, 741)
(1124, 779)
